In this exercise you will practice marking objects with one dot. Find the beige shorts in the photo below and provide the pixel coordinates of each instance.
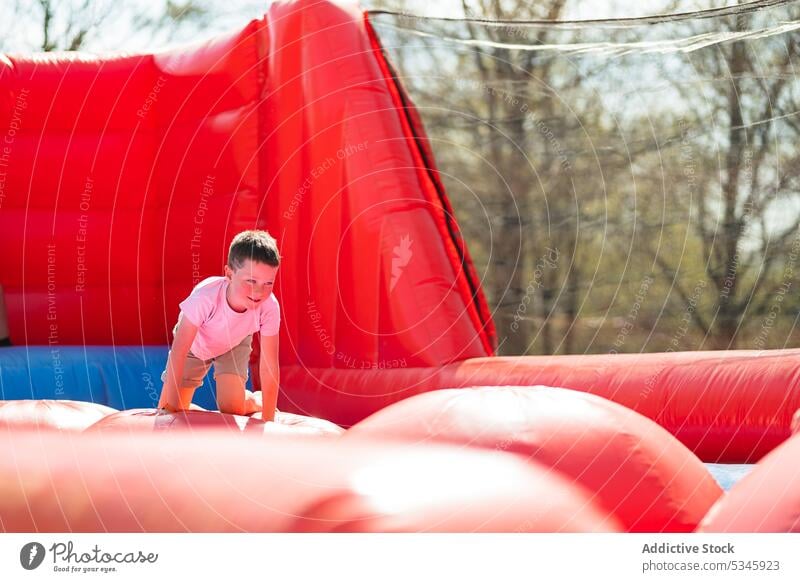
(236, 361)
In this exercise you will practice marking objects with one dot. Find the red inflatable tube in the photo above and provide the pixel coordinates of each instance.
(631, 466)
(148, 419)
(383, 498)
(297, 424)
(288, 423)
(137, 170)
(766, 500)
(138, 420)
(218, 482)
(727, 407)
(70, 415)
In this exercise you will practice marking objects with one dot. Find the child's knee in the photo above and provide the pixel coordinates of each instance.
(231, 406)
(232, 409)
(231, 394)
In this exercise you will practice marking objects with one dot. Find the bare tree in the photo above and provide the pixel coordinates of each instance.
(739, 136)
(72, 25)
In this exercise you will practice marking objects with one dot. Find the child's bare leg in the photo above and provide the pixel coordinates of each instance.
(230, 394)
(184, 394)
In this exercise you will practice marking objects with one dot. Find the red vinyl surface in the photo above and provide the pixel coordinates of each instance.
(727, 407)
(124, 179)
(127, 178)
(767, 500)
(634, 468)
(67, 415)
(220, 481)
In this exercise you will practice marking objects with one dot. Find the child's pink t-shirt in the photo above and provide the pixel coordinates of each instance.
(219, 327)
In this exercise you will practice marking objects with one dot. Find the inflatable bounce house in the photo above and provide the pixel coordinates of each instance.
(123, 179)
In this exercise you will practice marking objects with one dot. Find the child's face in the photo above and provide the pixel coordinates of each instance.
(250, 284)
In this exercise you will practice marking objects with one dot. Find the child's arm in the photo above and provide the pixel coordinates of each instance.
(184, 336)
(269, 372)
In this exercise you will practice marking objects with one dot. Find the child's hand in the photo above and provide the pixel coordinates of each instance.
(165, 409)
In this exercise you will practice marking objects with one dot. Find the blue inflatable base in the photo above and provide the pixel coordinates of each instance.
(122, 377)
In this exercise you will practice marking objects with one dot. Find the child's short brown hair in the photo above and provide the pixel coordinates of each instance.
(256, 245)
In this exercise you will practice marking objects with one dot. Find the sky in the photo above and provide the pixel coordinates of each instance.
(575, 9)
(22, 31)
(120, 31)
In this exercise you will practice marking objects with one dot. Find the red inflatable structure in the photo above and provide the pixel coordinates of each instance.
(197, 482)
(123, 179)
(51, 414)
(767, 500)
(148, 420)
(656, 484)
